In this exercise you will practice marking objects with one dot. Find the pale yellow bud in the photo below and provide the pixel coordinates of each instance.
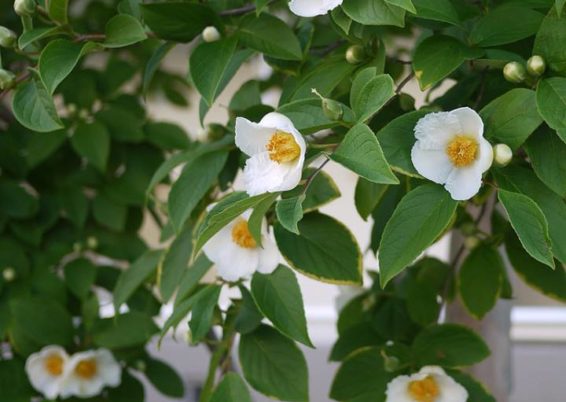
(536, 66)
(210, 34)
(9, 274)
(502, 154)
(514, 72)
(355, 54)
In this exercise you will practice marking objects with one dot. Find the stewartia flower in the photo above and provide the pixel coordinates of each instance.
(87, 373)
(276, 150)
(45, 370)
(312, 8)
(451, 150)
(237, 255)
(430, 384)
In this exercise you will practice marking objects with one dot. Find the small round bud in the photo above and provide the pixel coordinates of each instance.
(471, 242)
(536, 66)
(140, 365)
(7, 37)
(24, 8)
(331, 109)
(7, 79)
(210, 34)
(92, 242)
(9, 274)
(502, 154)
(77, 247)
(355, 54)
(514, 72)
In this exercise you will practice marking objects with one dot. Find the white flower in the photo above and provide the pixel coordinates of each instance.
(276, 150)
(451, 150)
(87, 373)
(236, 253)
(430, 384)
(312, 8)
(45, 370)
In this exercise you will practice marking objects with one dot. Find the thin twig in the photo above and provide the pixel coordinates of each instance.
(310, 179)
(19, 79)
(405, 81)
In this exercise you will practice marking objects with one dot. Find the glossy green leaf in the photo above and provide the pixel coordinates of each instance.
(372, 96)
(405, 4)
(153, 64)
(256, 220)
(124, 331)
(367, 195)
(374, 12)
(547, 153)
(176, 262)
(437, 10)
(92, 142)
(549, 40)
(551, 102)
(164, 378)
(290, 212)
(231, 389)
(28, 37)
(123, 30)
(80, 275)
(33, 107)
(57, 10)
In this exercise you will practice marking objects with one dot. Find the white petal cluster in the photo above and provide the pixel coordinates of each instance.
(237, 255)
(276, 153)
(450, 150)
(430, 384)
(54, 373)
(312, 8)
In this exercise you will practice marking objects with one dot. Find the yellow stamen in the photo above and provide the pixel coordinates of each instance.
(425, 390)
(282, 147)
(462, 151)
(86, 369)
(241, 235)
(54, 365)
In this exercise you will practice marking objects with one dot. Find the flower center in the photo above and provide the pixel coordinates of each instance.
(282, 147)
(86, 369)
(462, 151)
(425, 390)
(54, 365)
(241, 235)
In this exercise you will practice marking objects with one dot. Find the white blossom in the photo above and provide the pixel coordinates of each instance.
(45, 370)
(312, 8)
(430, 384)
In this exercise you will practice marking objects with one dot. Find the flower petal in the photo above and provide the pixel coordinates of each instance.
(397, 389)
(240, 263)
(262, 175)
(268, 256)
(251, 137)
(110, 369)
(471, 123)
(435, 130)
(464, 183)
(450, 390)
(432, 164)
(312, 8)
(485, 155)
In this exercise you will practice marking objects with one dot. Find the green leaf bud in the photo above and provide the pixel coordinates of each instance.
(24, 8)
(7, 79)
(7, 37)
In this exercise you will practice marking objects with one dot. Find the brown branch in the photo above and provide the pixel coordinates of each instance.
(241, 10)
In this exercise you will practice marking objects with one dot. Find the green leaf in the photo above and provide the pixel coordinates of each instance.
(480, 280)
(80, 275)
(340, 18)
(274, 365)
(560, 6)
(164, 378)
(374, 12)
(321, 191)
(279, 298)
(530, 224)
(271, 36)
(74, 205)
(92, 142)
(361, 378)
(195, 181)
(109, 213)
(547, 153)
(203, 312)
(372, 96)
(123, 30)
(438, 56)
(360, 80)
(135, 275)
(360, 152)
(449, 345)
(512, 117)
(476, 391)
(325, 250)
(208, 65)
(176, 262)
(421, 216)
(129, 390)
(358, 336)
(404, 4)
(231, 389)
(57, 10)
(549, 40)
(178, 21)
(290, 212)
(167, 136)
(551, 283)
(122, 123)
(42, 145)
(28, 37)
(437, 10)
(505, 24)
(192, 277)
(248, 318)
(308, 117)
(256, 220)
(153, 64)
(397, 139)
(16, 202)
(14, 382)
(33, 107)
(124, 331)
(551, 102)
(367, 195)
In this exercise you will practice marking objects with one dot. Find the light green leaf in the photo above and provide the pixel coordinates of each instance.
(124, 331)
(372, 96)
(92, 142)
(279, 298)
(33, 107)
(437, 10)
(57, 10)
(480, 280)
(203, 312)
(374, 12)
(361, 153)
(290, 212)
(438, 56)
(404, 4)
(340, 18)
(551, 102)
(308, 117)
(549, 40)
(421, 216)
(360, 80)
(547, 153)
(231, 389)
(28, 37)
(530, 224)
(325, 250)
(123, 30)
(274, 365)
(560, 6)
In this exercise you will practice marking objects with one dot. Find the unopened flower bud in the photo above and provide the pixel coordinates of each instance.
(9, 274)
(502, 154)
(92, 242)
(24, 8)
(536, 66)
(7, 37)
(390, 363)
(331, 109)
(7, 79)
(355, 54)
(140, 365)
(471, 242)
(210, 34)
(514, 72)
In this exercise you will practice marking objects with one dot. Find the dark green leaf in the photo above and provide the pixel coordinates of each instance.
(549, 40)
(124, 331)
(231, 389)
(374, 12)
(203, 312)
(92, 141)
(33, 107)
(290, 212)
(164, 378)
(547, 153)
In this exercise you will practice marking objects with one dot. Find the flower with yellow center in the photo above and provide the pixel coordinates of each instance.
(450, 150)
(87, 373)
(236, 253)
(276, 150)
(312, 8)
(430, 384)
(45, 370)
